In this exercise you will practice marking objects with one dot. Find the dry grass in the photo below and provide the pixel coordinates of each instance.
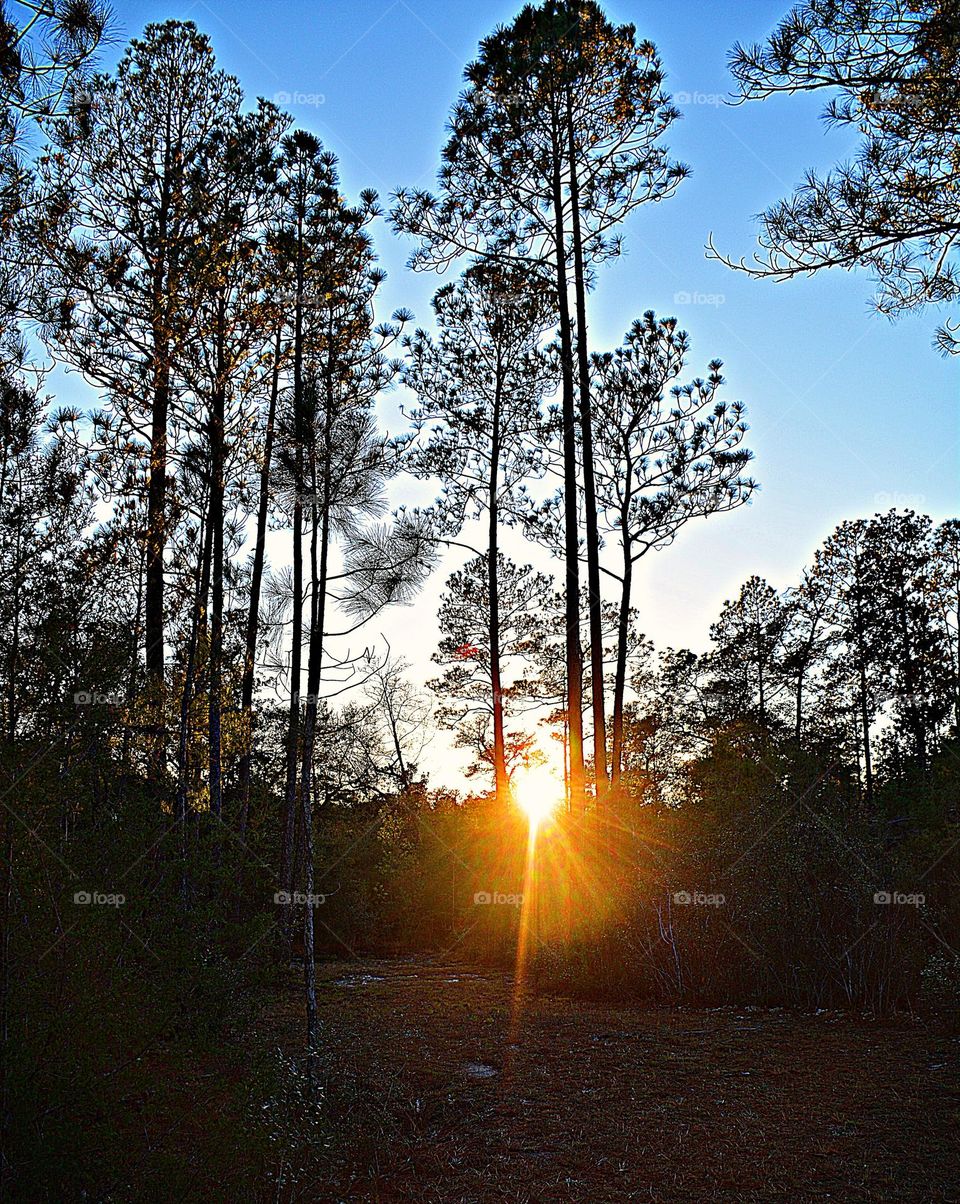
(592, 1103)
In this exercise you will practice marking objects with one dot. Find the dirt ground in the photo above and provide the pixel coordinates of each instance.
(450, 1085)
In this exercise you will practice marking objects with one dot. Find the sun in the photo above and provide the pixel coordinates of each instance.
(538, 793)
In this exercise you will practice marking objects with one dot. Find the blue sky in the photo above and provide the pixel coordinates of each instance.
(849, 413)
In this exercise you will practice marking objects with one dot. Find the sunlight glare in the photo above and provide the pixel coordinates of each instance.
(538, 793)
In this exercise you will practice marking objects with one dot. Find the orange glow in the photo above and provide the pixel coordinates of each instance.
(538, 792)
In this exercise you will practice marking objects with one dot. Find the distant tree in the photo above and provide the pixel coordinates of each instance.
(480, 386)
(848, 573)
(401, 715)
(545, 679)
(914, 647)
(465, 689)
(894, 67)
(945, 571)
(743, 664)
(805, 642)
(665, 453)
(667, 726)
(350, 764)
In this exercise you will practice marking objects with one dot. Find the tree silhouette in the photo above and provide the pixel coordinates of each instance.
(480, 388)
(468, 701)
(894, 70)
(553, 143)
(124, 197)
(666, 453)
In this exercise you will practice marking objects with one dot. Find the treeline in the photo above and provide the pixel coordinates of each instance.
(785, 827)
(195, 260)
(859, 658)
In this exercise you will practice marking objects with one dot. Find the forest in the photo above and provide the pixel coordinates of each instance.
(222, 830)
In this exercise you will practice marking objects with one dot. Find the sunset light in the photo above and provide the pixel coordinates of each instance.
(392, 753)
(538, 793)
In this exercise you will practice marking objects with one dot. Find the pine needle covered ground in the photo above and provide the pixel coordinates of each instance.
(447, 1086)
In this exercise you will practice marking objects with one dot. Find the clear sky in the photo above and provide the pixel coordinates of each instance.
(849, 413)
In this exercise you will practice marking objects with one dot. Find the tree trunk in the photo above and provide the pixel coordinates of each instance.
(293, 721)
(571, 520)
(293, 725)
(589, 485)
(256, 581)
(156, 545)
(864, 718)
(315, 664)
(157, 487)
(218, 461)
(914, 713)
(620, 680)
(501, 782)
(189, 677)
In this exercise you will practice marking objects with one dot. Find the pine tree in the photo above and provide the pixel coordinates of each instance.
(480, 387)
(468, 703)
(553, 143)
(124, 198)
(892, 71)
(665, 454)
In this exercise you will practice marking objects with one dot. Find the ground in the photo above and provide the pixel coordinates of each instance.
(449, 1085)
